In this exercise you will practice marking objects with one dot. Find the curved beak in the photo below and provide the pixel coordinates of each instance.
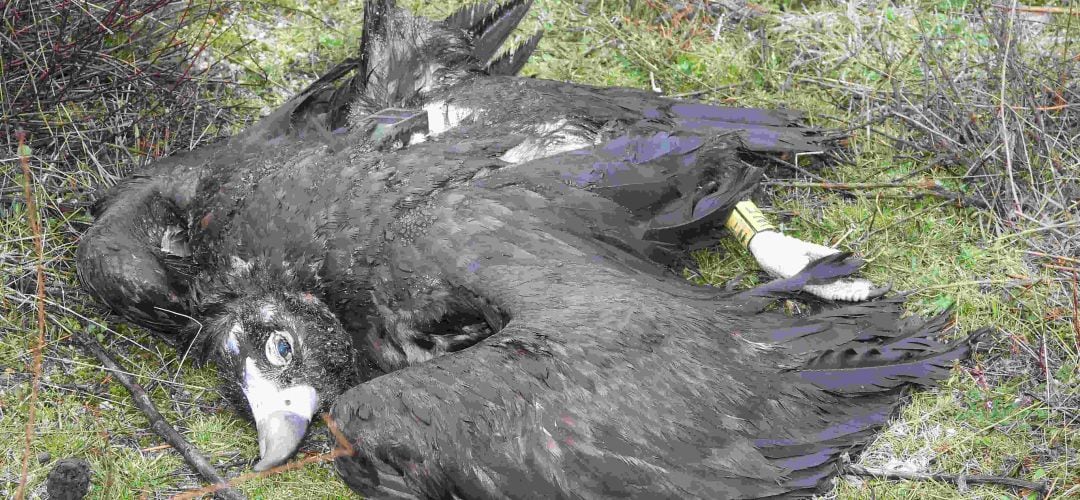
(279, 436)
(281, 415)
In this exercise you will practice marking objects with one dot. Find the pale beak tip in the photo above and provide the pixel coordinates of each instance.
(279, 437)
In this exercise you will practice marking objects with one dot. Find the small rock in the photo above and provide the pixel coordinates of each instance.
(44, 457)
(68, 480)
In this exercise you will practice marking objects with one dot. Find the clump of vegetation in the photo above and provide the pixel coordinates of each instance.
(107, 84)
(960, 184)
(89, 91)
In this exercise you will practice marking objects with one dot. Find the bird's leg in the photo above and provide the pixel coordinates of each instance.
(783, 256)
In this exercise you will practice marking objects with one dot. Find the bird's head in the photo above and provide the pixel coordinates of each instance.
(282, 356)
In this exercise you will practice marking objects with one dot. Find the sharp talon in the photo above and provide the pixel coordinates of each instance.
(879, 291)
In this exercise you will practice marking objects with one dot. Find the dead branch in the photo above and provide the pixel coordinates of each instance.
(343, 448)
(928, 188)
(194, 458)
(961, 480)
(851, 186)
(1039, 10)
(1076, 309)
(1055, 257)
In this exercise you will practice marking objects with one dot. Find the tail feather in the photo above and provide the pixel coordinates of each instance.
(853, 364)
(858, 326)
(376, 20)
(469, 17)
(843, 428)
(323, 104)
(511, 62)
(809, 465)
(376, 14)
(399, 54)
(860, 322)
(875, 374)
(489, 24)
(861, 382)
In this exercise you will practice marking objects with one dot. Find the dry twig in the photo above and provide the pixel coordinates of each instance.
(960, 480)
(926, 188)
(343, 448)
(1039, 10)
(158, 424)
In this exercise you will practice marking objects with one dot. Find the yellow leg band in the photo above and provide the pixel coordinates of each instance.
(746, 221)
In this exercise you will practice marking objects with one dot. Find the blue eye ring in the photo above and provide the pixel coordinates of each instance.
(279, 348)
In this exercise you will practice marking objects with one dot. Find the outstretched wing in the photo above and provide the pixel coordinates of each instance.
(606, 381)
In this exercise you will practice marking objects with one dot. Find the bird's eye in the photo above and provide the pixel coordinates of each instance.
(279, 349)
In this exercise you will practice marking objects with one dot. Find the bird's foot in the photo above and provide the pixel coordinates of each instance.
(850, 290)
(783, 256)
